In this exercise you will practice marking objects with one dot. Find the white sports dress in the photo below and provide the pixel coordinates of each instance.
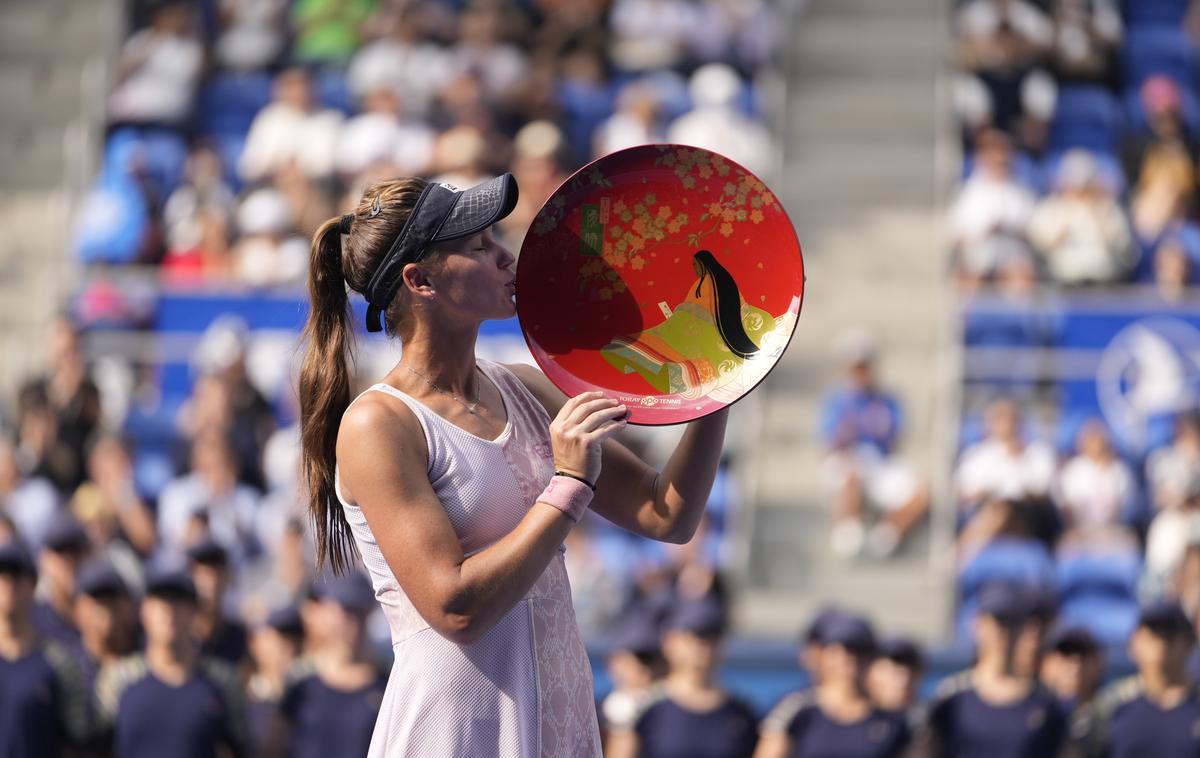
(525, 688)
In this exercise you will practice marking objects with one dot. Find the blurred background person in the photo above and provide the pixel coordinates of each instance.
(220, 633)
(836, 717)
(1156, 711)
(64, 550)
(893, 680)
(275, 646)
(692, 713)
(1072, 667)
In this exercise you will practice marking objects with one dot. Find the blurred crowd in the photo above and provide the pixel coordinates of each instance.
(1079, 124)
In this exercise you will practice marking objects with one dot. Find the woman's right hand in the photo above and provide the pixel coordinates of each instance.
(576, 433)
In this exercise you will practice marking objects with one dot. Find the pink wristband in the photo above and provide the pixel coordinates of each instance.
(570, 496)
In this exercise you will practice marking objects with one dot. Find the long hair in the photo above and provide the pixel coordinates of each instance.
(325, 375)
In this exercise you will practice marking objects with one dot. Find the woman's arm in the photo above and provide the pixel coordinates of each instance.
(665, 506)
(383, 462)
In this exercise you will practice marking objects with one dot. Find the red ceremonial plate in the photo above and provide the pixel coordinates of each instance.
(666, 276)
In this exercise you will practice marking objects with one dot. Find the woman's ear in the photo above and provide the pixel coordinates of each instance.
(417, 281)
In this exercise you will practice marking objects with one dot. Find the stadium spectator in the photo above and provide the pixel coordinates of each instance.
(997, 708)
(860, 426)
(158, 70)
(1155, 711)
(42, 700)
(894, 676)
(197, 217)
(1163, 198)
(836, 717)
(1072, 666)
(402, 59)
(1174, 270)
(1164, 133)
(692, 714)
(383, 137)
(328, 31)
(637, 121)
(293, 128)
(1001, 46)
(1080, 229)
(991, 203)
(220, 636)
(481, 51)
(1003, 465)
(268, 251)
(1095, 488)
(209, 501)
(64, 549)
(537, 154)
(1087, 36)
(649, 34)
(331, 701)
(168, 699)
(251, 34)
(30, 502)
(117, 519)
(1185, 586)
(1170, 534)
(715, 123)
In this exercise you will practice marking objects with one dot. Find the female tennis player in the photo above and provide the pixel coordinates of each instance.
(456, 479)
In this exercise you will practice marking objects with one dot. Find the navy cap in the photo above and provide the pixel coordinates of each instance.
(352, 591)
(285, 620)
(815, 632)
(14, 558)
(1166, 617)
(1007, 602)
(169, 581)
(1071, 639)
(99, 578)
(65, 533)
(208, 551)
(637, 632)
(704, 617)
(901, 650)
(851, 632)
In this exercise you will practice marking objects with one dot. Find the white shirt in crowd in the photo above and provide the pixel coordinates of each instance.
(231, 516)
(1082, 241)
(281, 133)
(416, 72)
(1094, 493)
(161, 87)
(32, 506)
(986, 205)
(990, 469)
(371, 138)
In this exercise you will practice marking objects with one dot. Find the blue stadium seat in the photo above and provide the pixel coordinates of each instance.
(1110, 620)
(1007, 559)
(228, 103)
(1158, 51)
(159, 154)
(1140, 14)
(112, 223)
(332, 90)
(1086, 116)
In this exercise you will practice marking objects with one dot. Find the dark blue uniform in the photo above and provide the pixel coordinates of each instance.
(961, 725)
(52, 625)
(228, 642)
(324, 721)
(42, 703)
(1123, 723)
(667, 730)
(152, 718)
(814, 735)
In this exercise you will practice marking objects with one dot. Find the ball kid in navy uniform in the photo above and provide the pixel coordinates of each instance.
(275, 644)
(220, 636)
(1072, 666)
(170, 700)
(64, 549)
(690, 715)
(1157, 711)
(332, 699)
(894, 676)
(997, 708)
(104, 612)
(635, 664)
(42, 698)
(835, 717)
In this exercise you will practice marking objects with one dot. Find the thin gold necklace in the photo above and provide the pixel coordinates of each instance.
(471, 408)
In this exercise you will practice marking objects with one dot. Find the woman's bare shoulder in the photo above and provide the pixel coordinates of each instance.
(374, 422)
